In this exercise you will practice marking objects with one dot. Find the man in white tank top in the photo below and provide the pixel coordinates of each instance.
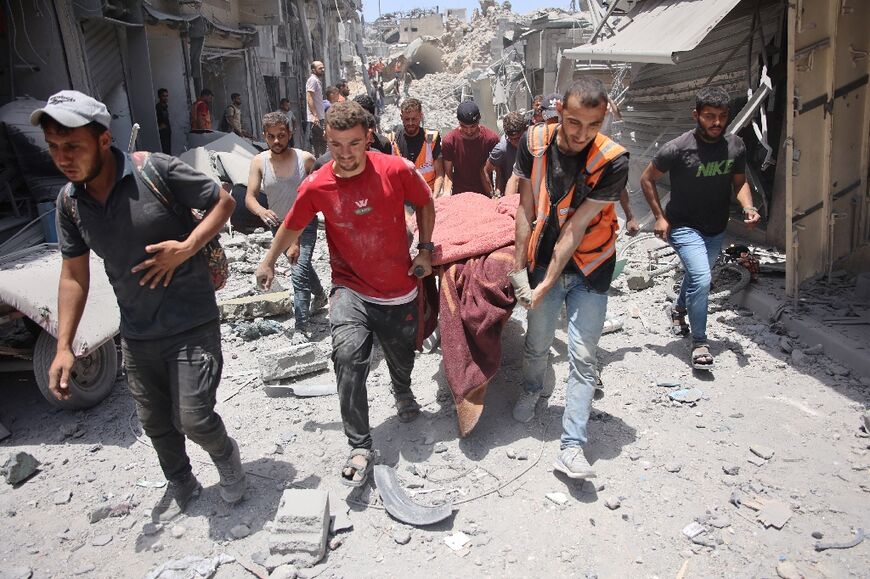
(277, 173)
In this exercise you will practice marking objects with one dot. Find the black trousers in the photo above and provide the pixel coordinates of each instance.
(354, 322)
(174, 382)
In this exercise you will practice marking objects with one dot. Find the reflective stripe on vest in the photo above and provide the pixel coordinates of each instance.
(425, 161)
(599, 241)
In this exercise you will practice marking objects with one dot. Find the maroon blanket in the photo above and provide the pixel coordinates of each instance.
(476, 302)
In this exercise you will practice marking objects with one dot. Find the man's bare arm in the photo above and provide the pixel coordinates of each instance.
(439, 176)
(72, 295)
(255, 177)
(447, 185)
(525, 216)
(648, 184)
(744, 197)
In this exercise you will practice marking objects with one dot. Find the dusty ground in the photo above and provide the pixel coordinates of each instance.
(662, 461)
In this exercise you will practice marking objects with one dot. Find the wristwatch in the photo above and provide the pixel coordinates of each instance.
(427, 245)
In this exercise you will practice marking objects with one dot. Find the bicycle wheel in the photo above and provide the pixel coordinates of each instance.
(648, 254)
(727, 280)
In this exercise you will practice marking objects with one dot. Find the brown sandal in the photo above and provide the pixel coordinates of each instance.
(702, 359)
(407, 408)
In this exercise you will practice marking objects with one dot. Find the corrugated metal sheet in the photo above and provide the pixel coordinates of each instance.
(657, 31)
(660, 98)
(104, 56)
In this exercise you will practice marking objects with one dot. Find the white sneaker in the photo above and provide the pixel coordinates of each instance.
(524, 409)
(573, 464)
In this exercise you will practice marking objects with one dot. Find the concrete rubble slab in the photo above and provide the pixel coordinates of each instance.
(256, 306)
(297, 360)
(300, 529)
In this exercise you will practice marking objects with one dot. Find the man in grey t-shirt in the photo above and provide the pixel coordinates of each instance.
(316, 114)
(504, 154)
(170, 332)
(706, 167)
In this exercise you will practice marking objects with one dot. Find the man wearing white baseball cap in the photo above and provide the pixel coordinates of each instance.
(170, 332)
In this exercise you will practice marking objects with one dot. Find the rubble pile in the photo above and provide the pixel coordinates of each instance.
(439, 92)
(466, 45)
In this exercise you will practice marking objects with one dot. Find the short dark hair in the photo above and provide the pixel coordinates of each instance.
(276, 119)
(366, 102)
(284, 100)
(341, 82)
(47, 122)
(234, 95)
(206, 92)
(346, 115)
(330, 90)
(513, 123)
(588, 90)
(162, 91)
(712, 96)
(411, 104)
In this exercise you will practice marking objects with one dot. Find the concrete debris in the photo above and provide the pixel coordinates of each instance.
(256, 306)
(788, 570)
(732, 470)
(257, 329)
(16, 572)
(762, 451)
(190, 567)
(693, 529)
(101, 540)
(18, 467)
(757, 461)
(177, 531)
(150, 484)
(798, 358)
(62, 497)
(611, 325)
(312, 572)
(301, 526)
(292, 362)
(774, 514)
(284, 572)
(558, 498)
(457, 541)
(84, 569)
(612, 503)
(668, 383)
(639, 281)
(150, 529)
(272, 562)
(673, 467)
(402, 536)
(687, 395)
(240, 531)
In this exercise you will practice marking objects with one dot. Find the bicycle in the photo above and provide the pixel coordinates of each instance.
(731, 273)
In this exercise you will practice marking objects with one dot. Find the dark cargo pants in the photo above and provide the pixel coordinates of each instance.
(174, 382)
(353, 322)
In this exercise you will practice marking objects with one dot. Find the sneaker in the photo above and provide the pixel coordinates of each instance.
(524, 409)
(318, 302)
(233, 480)
(175, 499)
(573, 464)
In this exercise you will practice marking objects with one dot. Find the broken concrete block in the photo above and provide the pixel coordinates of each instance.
(18, 466)
(639, 281)
(301, 526)
(257, 306)
(297, 360)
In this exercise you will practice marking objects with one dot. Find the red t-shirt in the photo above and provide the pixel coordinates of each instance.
(365, 223)
(468, 157)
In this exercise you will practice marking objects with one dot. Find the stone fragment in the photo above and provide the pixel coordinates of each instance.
(816, 350)
(798, 358)
(639, 281)
(612, 503)
(788, 570)
(240, 531)
(402, 536)
(558, 498)
(817, 535)
(693, 529)
(761, 451)
(272, 562)
(719, 522)
(99, 514)
(190, 566)
(510, 453)
(177, 531)
(149, 529)
(62, 497)
(733, 470)
(774, 514)
(335, 543)
(256, 306)
(18, 467)
(439, 448)
(457, 541)
(687, 395)
(757, 461)
(673, 467)
(84, 569)
(101, 540)
(16, 572)
(301, 526)
(297, 360)
(284, 572)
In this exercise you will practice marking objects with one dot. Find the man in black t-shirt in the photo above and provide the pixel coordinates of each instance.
(706, 167)
(170, 328)
(570, 177)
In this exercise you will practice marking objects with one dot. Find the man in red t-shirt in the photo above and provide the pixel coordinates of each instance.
(362, 195)
(465, 151)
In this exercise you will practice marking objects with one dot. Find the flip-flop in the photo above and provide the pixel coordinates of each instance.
(351, 480)
(407, 408)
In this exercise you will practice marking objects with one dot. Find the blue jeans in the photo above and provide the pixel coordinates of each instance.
(305, 280)
(586, 311)
(698, 253)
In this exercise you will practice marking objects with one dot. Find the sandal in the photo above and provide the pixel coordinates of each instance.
(678, 322)
(407, 408)
(354, 474)
(702, 359)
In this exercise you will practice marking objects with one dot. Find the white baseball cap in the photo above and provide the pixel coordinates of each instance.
(73, 109)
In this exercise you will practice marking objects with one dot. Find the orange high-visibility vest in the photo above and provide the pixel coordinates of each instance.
(425, 161)
(599, 241)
